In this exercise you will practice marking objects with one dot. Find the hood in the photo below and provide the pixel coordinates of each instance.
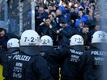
(46, 48)
(30, 50)
(99, 46)
(12, 50)
(78, 47)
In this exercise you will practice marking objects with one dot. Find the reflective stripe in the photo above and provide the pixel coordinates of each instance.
(1, 71)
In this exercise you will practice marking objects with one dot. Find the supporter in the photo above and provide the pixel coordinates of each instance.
(4, 37)
(45, 27)
(40, 15)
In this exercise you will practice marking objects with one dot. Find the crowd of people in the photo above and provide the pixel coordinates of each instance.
(67, 37)
(66, 18)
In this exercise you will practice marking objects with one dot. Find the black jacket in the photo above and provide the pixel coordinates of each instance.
(97, 58)
(22, 66)
(51, 55)
(75, 65)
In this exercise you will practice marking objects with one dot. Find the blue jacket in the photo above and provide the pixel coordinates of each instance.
(82, 19)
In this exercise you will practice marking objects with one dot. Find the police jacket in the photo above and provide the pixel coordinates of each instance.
(97, 56)
(74, 65)
(49, 53)
(24, 65)
(52, 57)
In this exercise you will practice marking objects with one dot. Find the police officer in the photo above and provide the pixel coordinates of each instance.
(97, 53)
(13, 47)
(73, 66)
(50, 54)
(26, 64)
